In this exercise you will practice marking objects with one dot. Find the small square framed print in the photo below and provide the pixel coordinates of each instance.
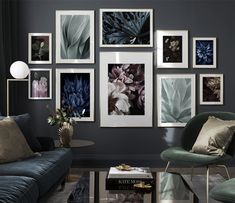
(172, 48)
(39, 48)
(204, 52)
(211, 89)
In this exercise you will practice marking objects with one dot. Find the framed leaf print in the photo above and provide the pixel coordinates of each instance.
(126, 27)
(39, 48)
(75, 36)
(75, 92)
(40, 84)
(126, 89)
(211, 89)
(204, 52)
(176, 99)
(172, 48)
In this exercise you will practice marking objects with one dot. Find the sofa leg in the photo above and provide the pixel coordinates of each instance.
(207, 183)
(62, 185)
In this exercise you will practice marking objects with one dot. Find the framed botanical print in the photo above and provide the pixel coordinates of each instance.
(75, 36)
(126, 27)
(176, 99)
(172, 48)
(204, 52)
(75, 92)
(126, 89)
(40, 84)
(211, 89)
(39, 48)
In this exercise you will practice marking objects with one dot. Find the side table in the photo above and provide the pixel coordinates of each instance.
(77, 143)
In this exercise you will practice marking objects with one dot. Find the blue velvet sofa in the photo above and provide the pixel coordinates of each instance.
(31, 180)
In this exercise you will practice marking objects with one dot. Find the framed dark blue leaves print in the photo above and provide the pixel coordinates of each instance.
(204, 52)
(75, 92)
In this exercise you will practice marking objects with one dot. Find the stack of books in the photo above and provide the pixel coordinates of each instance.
(125, 179)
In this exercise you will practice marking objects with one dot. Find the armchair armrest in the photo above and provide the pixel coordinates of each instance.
(47, 143)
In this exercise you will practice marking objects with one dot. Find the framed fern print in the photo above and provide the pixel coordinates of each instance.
(126, 27)
(75, 36)
(176, 99)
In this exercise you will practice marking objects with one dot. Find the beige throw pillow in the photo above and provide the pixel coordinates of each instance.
(214, 137)
(13, 145)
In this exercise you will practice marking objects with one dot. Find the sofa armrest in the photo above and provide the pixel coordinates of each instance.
(47, 143)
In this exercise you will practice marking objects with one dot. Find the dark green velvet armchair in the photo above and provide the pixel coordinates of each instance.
(182, 155)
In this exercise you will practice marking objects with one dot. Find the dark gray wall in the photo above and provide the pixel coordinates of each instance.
(132, 145)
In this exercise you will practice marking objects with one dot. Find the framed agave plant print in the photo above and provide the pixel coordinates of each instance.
(40, 84)
(75, 92)
(172, 48)
(211, 89)
(204, 52)
(126, 89)
(75, 36)
(126, 27)
(39, 48)
(176, 99)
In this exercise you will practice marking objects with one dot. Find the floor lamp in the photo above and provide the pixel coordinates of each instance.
(19, 70)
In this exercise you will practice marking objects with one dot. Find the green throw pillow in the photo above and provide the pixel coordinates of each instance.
(13, 145)
(214, 137)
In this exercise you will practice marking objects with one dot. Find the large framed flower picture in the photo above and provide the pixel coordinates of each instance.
(75, 92)
(176, 99)
(126, 89)
(75, 36)
(126, 27)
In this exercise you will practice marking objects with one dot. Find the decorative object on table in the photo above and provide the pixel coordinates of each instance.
(39, 48)
(172, 48)
(75, 36)
(204, 52)
(173, 189)
(176, 99)
(142, 187)
(40, 84)
(211, 89)
(75, 91)
(125, 179)
(126, 27)
(19, 70)
(124, 167)
(126, 89)
(65, 123)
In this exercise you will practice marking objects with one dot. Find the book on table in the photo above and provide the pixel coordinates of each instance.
(118, 179)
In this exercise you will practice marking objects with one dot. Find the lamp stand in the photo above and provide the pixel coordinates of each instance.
(8, 83)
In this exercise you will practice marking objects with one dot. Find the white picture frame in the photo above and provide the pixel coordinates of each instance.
(40, 84)
(74, 77)
(171, 88)
(113, 114)
(39, 48)
(172, 48)
(209, 89)
(83, 21)
(204, 52)
(128, 40)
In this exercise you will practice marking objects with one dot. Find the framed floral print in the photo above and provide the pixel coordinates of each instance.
(126, 89)
(126, 27)
(204, 52)
(176, 99)
(75, 36)
(172, 48)
(39, 48)
(75, 92)
(40, 84)
(211, 89)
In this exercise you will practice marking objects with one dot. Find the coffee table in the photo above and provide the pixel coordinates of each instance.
(169, 187)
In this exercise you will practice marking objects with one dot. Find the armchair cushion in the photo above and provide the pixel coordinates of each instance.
(214, 137)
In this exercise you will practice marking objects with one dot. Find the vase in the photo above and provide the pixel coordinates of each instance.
(65, 134)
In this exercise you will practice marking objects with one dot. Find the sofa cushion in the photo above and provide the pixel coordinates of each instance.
(24, 122)
(18, 189)
(214, 137)
(13, 145)
(45, 169)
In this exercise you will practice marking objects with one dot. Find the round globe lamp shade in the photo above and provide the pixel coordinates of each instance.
(19, 70)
